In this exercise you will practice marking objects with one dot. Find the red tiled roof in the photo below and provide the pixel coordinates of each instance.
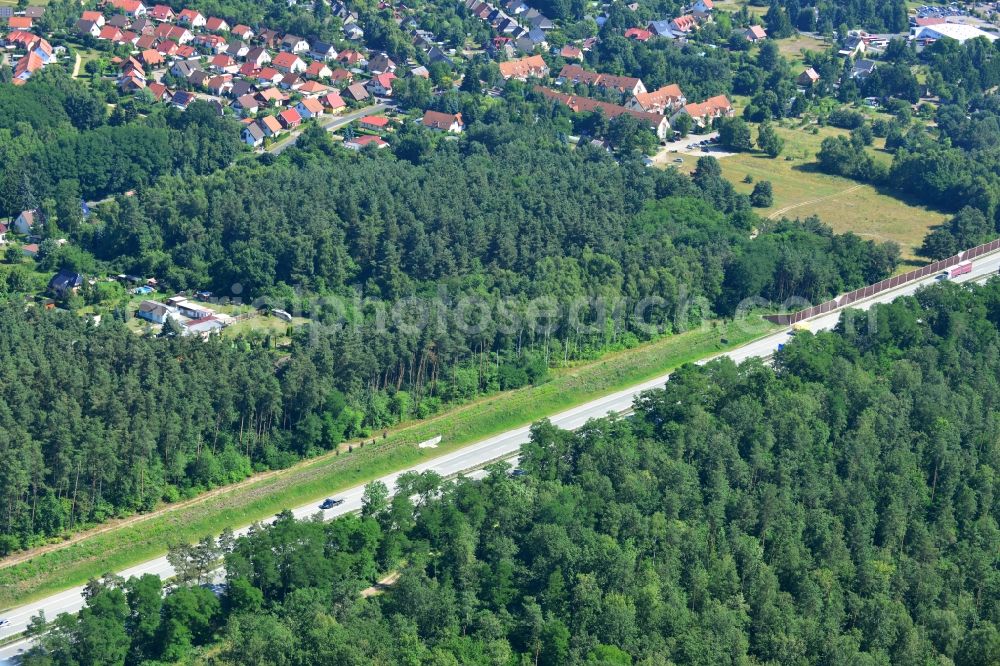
(586, 104)
(578, 74)
(375, 121)
(532, 66)
(639, 34)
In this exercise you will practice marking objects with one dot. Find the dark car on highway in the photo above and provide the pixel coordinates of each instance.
(330, 502)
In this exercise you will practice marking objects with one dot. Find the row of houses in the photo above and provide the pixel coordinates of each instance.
(31, 53)
(667, 101)
(517, 24)
(254, 68)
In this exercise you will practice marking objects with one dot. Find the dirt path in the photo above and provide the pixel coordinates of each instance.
(380, 587)
(76, 66)
(782, 211)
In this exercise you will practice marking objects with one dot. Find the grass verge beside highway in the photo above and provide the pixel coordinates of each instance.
(324, 475)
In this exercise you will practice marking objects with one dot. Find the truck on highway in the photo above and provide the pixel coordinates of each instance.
(953, 272)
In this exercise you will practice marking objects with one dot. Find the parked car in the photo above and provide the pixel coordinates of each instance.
(331, 502)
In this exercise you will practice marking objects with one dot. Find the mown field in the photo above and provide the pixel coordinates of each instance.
(141, 538)
(800, 190)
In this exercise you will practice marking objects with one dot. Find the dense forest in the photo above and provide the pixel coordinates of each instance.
(560, 246)
(57, 142)
(838, 508)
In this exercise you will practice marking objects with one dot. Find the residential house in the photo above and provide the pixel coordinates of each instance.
(146, 42)
(120, 21)
(84, 27)
(258, 57)
(215, 24)
(34, 12)
(374, 123)
(237, 49)
(143, 26)
(356, 92)
(318, 69)
(313, 89)
(130, 7)
(219, 85)
(322, 51)
(131, 83)
(243, 32)
(253, 135)
(272, 97)
(381, 85)
(351, 58)
(291, 81)
(224, 64)
(638, 34)
(241, 87)
(624, 84)
(269, 75)
(30, 250)
(443, 122)
(65, 282)
(333, 102)
(3, 233)
(341, 76)
(853, 47)
(182, 69)
(530, 67)
(151, 58)
(363, 141)
(683, 25)
(863, 69)
(182, 99)
(659, 124)
(807, 78)
(154, 311)
(288, 63)
(159, 91)
(309, 107)
(271, 125)
(247, 105)
(570, 52)
(26, 67)
(380, 64)
(536, 19)
(755, 33)
(703, 7)
(199, 78)
(664, 101)
(162, 13)
(25, 222)
(175, 33)
(294, 44)
(211, 43)
(704, 113)
(353, 31)
(168, 48)
(203, 328)
(269, 38)
(289, 119)
(192, 17)
(190, 309)
(110, 33)
(93, 17)
(420, 71)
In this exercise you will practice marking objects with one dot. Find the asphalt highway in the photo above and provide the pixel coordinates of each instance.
(475, 456)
